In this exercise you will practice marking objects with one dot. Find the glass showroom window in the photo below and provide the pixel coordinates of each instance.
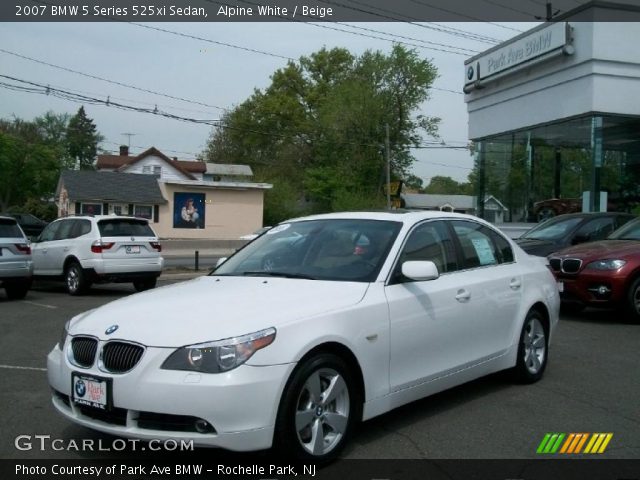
(589, 163)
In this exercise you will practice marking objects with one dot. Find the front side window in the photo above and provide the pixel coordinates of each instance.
(595, 229)
(430, 241)
(65, 229)
(49, 232)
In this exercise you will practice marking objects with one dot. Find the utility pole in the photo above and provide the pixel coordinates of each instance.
(388, 155)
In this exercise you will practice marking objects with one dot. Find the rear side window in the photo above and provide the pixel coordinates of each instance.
(9, 229)
(480, 245)
(125, 228)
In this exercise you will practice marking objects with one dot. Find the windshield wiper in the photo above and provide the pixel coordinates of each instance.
(263, 273)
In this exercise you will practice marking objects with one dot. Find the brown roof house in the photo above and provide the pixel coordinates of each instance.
(183, 199)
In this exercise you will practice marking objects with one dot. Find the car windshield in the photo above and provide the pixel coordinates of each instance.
(553, 229)
(630, 231)
(327, 249)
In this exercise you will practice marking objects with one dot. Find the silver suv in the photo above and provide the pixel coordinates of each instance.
(16, 267)
(98, 249)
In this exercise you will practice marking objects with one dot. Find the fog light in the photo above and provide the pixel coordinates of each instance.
(202, 426)
(603, 290)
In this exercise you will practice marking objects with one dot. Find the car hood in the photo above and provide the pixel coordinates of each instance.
(604, 249)
(215, 308)
(536, 247)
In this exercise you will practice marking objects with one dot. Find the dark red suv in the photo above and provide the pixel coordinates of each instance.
(602, 274)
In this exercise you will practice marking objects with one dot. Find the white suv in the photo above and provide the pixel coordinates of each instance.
(16, 267)
(97, 249)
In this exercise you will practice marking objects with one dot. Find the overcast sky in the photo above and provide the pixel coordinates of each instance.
(218, 75)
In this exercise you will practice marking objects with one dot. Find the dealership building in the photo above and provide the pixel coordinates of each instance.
(554, 115)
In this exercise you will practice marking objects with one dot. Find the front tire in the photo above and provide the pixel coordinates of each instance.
(75, 279)
(146, 284)
(319, 409)
(533, 349)
(633, 301)
(17, 290)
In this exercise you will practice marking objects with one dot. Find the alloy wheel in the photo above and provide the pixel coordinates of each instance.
(322, 413)
(535, 348)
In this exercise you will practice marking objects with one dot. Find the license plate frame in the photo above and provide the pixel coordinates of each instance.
(91, 391)
(132, 249)
(560, 287)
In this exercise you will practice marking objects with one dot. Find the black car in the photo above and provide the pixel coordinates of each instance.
(31, 225)
(564, 231)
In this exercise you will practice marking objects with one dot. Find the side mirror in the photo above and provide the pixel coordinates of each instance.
(420, 270)
(220, 261)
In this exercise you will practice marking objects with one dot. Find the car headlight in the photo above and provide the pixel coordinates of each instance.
(219, 356)
(607, 264)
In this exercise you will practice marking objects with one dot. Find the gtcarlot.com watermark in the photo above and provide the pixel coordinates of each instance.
(47, 443)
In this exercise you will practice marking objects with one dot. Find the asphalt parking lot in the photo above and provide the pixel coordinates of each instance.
(591, 385)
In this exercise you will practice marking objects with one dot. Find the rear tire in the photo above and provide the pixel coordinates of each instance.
(319, 410)
(17, 290)
(533, 349)
(146, 284)
(75, 279)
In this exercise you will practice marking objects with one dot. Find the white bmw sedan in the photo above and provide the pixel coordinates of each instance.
(320, 323)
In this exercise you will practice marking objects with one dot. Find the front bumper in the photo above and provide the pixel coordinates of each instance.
(150, 403)
(593, 288)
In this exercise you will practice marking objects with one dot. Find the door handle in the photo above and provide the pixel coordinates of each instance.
(463, 296)
(515, 284)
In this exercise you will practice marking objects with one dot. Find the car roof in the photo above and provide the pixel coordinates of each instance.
(404, 216)
(5, 217)
(596, 214)
(101, 217)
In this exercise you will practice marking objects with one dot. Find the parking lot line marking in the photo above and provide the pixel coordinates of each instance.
(39, 304)
(15, 367)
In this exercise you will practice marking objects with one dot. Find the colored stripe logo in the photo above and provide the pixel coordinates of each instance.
(574, 443)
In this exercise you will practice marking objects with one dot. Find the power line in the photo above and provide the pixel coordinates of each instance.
(395, 16)
(216, 42)
(507, 7)
(33, 87)
(113, 82)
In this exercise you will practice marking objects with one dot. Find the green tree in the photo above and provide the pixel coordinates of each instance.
(446, 186)
(29, 165)
(319, 128)
(82, 139)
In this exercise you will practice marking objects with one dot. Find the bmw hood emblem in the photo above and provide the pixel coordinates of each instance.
(111, 329)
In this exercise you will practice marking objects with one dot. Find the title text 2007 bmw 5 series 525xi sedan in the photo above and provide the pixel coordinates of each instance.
(318, 324)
